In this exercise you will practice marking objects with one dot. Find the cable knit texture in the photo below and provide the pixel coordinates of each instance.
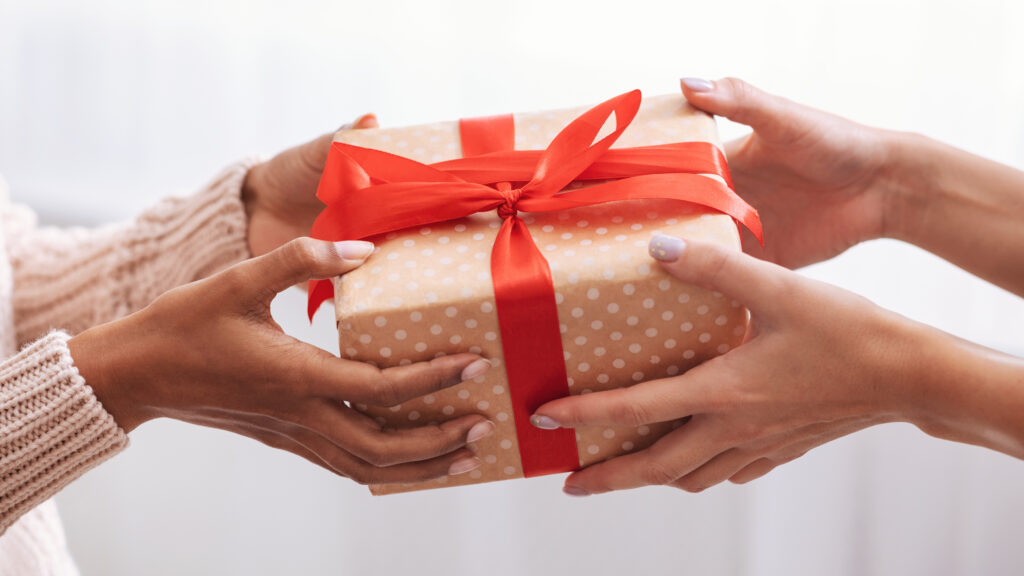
(56, 282)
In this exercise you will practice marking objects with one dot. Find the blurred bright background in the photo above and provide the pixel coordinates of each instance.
(105, 106)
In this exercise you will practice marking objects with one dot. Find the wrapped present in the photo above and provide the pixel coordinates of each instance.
(524, 239)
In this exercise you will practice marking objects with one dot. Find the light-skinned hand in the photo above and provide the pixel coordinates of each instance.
(821, 183)
(819, 363)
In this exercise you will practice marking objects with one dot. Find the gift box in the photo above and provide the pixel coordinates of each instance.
(607, 317)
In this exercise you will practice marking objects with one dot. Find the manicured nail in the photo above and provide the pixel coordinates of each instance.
(698, 84)
(575, 491)
(544, 423)
(666, 248)
(463, 465)
(475, 369)
(479, 431)
(354, 249)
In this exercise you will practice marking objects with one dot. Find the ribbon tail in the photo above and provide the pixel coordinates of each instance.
(319, 292)
(532, 343)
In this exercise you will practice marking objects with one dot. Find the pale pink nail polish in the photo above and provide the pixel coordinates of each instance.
(666, 248)
(475, 369)
(698, 84)
(463, 465)
(354, 249)
(575, 491)
(544, 422)
(479, 431)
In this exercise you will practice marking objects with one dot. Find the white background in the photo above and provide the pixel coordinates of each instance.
(106, 106)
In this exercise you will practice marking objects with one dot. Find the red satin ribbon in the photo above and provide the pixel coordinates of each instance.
(369, 192)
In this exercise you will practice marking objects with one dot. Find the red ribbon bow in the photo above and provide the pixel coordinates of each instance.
(369, 192)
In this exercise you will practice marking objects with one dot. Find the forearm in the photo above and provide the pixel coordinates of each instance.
(52, 427)
(966, 209)
(77, 278)
(965, 392)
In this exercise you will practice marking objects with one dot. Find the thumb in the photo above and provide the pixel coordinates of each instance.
(313, 154)
(771, 116)
(300, 260)
(759, 285)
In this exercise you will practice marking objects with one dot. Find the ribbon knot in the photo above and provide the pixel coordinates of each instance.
(508, 208)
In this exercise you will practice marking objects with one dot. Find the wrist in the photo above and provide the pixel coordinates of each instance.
(908, 176)
(100, 354)
(957, 390)
(894, 366)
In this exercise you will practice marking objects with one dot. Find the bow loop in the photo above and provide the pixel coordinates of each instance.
(573, 150)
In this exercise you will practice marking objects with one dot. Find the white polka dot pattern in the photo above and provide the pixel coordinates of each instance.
(428, 291)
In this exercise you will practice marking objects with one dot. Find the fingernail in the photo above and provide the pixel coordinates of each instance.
(666, 248)
(575, 491)
(367, 121)
(698, 84)
(544, 423)
(463, 465)
(354, 249)
(479, 431)
(475, 369)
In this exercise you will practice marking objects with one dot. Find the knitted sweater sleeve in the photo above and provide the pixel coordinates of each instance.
(72, 279)
(53, 429)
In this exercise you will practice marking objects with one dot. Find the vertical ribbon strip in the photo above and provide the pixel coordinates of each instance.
(524, 296)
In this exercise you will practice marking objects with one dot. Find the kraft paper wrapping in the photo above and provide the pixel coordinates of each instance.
(428, 291)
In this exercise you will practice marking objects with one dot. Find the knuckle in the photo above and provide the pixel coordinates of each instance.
(717, 262)
(658, 473)
(742, 92)
(361, 475)
(740, 433)
(304, 252)
(384, 390)
(692, 485)
(380, 453)
(630, 413)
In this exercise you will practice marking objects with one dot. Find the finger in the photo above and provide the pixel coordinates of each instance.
(351, 466)
(661, 400)
(297, 261)
(714, 471)
(365, 438)
(754, 470)
(760, 285)
(363, 122)
(363, 383)
(670, 458)
(771, 116)
(798, 444)
(366, 121)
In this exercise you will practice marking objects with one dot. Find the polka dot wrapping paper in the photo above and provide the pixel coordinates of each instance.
(428, 291)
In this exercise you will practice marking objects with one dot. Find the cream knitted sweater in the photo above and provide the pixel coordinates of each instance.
(56, 282)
